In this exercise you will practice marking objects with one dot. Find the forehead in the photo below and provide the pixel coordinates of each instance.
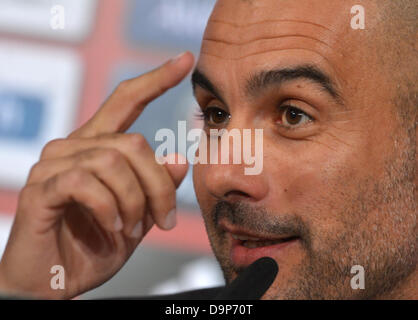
(324, 12)
(243, 36)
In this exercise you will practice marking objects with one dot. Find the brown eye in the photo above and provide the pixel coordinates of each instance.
(215, 116)
(292, 116)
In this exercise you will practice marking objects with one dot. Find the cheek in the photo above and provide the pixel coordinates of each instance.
(295, 182)
(312, 185)
(202, 194)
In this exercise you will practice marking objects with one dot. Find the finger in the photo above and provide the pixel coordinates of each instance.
(112, 168)
(131, 97)
(82, 187)
(157, 184)
(175, 163)
(177, 167)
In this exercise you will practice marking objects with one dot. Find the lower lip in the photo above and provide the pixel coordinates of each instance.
(242, 256)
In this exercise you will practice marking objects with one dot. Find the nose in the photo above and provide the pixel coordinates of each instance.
(230, 154)
(228, 182)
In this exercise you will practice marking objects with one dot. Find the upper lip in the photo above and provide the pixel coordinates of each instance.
(234, 230)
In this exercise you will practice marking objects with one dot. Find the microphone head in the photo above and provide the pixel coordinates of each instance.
(253, 282)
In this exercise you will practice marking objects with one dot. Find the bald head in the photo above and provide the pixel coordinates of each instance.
(396, 43)
(338, 174)
(400, 19)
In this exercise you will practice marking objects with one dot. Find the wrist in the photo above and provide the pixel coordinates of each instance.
(9, 290)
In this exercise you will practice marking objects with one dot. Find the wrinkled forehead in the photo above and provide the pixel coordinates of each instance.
(328, 13)
(240, 32)
(241, 22)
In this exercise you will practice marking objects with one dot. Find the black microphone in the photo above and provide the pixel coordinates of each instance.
(253, 282)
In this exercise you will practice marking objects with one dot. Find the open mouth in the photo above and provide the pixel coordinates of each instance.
(252, 243)
(247, 246)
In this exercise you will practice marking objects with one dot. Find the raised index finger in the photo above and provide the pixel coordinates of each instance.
(130, 98)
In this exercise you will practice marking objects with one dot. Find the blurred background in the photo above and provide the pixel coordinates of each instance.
(59, 60)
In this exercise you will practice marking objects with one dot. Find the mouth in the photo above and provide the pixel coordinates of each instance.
(247, 247)
(253, 243)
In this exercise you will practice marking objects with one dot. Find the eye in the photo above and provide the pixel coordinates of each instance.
(214, 116)
(292, 117)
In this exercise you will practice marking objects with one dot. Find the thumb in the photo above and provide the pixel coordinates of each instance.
(177, 167)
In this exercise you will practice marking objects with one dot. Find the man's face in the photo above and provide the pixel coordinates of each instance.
(336, 188)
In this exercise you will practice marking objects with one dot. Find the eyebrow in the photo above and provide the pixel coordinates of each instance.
(264, 79)
(199, 79)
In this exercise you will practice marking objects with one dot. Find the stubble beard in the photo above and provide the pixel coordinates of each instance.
(378, 233)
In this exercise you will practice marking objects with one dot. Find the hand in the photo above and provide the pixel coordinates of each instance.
(92, 197)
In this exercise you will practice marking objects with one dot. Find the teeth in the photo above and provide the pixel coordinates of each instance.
(256, 244)
(244, 238)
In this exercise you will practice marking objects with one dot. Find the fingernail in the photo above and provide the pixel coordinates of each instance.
(137, 230)
(118, 224)
(177, 58)
(170, 220)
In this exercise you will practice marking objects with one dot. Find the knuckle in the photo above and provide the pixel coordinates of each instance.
(36, 171)
(111, 157)
(27, 197)
(51, 148)
(26, 193)
(123, 87)
(102, 205)
(137, 141)
(75, 178)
